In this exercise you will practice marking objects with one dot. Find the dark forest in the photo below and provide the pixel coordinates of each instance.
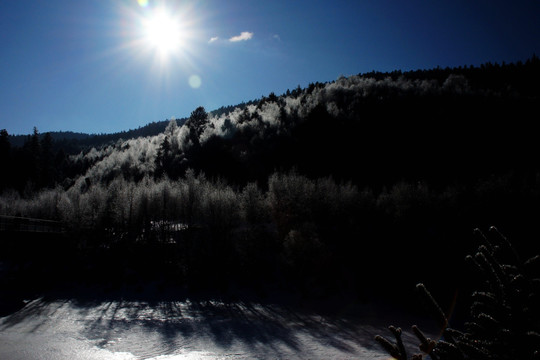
(365, 185)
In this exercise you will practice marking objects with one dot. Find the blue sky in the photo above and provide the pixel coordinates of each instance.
(90, 66)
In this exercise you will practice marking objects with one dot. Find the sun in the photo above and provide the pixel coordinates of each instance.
(163, 32)
(161, 36)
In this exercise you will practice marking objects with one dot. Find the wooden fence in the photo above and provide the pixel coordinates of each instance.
(22, 224)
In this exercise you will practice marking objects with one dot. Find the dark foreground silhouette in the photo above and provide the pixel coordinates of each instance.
(504, 319)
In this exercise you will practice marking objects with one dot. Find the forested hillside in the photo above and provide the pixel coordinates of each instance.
(323, 186)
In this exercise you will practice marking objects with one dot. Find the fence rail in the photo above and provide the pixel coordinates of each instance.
(23, 224)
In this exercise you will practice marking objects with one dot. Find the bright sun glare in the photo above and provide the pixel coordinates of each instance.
(162, 32)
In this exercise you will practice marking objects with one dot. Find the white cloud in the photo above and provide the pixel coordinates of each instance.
(245, 35)
(213, 39)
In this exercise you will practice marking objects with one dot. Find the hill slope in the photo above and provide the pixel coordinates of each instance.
(318, 189)
(374, 129)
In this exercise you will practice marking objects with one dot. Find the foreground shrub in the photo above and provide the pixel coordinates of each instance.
(504, 315)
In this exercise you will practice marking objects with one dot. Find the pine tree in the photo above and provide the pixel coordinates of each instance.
(30, 168)
(163, 159)
(47, 161)
(505, 313)
(5, 158)
(197, 122)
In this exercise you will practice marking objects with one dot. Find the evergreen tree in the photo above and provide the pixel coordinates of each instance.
(244, 116)
(504, 315)
(47, 161)
(29, 167)
(163, 160)
(197, 122)
(5, 158)
(5, 145)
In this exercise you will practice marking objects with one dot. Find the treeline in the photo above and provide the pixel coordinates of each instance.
(34, 166)
(318, 236)
(73, 143)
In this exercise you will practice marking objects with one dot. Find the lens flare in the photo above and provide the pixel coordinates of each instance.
(143, 3)
(195, 81)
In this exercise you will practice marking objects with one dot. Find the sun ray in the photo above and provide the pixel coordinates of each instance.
(162, 43)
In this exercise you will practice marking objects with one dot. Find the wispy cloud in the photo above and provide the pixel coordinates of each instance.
(245, 35)
(213, 39)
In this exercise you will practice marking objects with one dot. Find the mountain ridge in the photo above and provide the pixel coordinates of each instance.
(439, 74)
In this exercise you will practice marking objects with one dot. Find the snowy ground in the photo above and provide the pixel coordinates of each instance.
(188, 329)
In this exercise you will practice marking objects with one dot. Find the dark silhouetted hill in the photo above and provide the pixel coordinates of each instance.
(317, 189)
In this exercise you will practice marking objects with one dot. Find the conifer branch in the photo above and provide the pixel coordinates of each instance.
(399, 342)
(390, 348)
(426, 345)
(505, 321)
(485, 240)
(436, 310)
(507, 244)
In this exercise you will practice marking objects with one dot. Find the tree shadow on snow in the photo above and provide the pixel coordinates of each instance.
(133, 325)
(148, 325)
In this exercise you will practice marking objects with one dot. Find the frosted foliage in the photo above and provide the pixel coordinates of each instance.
(253, 204)
(220, 206)
(8, 202)
(133, 156)
(456, 83)
(333, 109)
(172, 127)
(224, 126)
(181, 138)
(47, 204)
(270, 113)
